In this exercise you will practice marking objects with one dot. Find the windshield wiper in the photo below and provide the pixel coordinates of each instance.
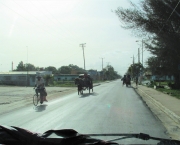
(142, 136)
(15, 135)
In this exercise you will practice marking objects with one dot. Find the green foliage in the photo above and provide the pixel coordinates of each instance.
(30, 67)
(64, 70)
(76, 68)
(26, 67)
(172, 92)
(154, 20)
(47, 78)
(135, 69)
(110, 73)
(21, 66)
(51, 68)
(63, 84)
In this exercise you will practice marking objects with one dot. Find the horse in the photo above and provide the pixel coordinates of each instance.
(83, 84)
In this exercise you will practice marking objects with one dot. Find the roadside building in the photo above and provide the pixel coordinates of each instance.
(65, 77)
(162, 78)
(21, 78)
(153, 77)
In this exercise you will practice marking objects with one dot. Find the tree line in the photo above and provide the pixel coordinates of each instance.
(108, 72)
(60, 70)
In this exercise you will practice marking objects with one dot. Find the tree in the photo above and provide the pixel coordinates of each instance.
(64, 70)
(51, 68)
(21, 67)
(154, 19)
(135, 69)
(26, 67)
(77, 68)
(39, 68)
(47, 78)
(30, 67)
(110, 73)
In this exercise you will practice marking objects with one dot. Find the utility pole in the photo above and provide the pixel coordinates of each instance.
(102, 69)
(142, 52)
(138, 55)
(27, 68)
(133, 68)
(83, 45)
(102, 63)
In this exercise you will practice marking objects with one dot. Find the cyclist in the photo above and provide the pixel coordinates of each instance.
(39, 83)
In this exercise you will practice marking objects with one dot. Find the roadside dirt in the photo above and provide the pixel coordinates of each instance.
(12, 98)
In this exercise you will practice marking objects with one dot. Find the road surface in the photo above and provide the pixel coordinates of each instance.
(111, 108)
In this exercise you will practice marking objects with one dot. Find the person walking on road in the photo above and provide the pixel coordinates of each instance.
(136, 81)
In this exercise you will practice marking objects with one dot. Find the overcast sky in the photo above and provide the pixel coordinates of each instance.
(49, 33)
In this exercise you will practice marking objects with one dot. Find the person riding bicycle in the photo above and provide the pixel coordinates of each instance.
(39, 83)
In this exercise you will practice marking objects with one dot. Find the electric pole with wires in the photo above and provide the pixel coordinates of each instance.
(83, 45)
(102, 69)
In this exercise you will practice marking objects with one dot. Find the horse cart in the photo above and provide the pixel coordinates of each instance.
(84, 82)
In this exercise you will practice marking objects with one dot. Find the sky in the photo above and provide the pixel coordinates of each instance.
(49, 33)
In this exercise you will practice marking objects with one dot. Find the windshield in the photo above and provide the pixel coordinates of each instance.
(95, 66)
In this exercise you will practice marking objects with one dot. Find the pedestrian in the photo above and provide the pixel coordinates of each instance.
(136, 81)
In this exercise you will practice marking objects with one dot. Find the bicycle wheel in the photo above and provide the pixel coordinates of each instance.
(35, 100)
(41, 99)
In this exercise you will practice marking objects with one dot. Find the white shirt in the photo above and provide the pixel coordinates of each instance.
(39, 82)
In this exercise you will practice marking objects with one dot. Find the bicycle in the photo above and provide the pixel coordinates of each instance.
(37, 97)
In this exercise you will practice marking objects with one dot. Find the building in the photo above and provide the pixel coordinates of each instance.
(162, 78)
(65, 77)
(21, 78)
(94, 74)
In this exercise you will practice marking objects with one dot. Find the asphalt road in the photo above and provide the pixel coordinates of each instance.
(111, 108)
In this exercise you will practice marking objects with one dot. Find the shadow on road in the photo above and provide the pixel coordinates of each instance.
(41, 108)
(88, 95)
(94, 94)
(85, 95)
(128, 86)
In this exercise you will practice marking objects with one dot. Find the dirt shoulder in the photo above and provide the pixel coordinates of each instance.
(12, 98)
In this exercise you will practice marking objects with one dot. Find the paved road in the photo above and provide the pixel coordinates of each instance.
(112, 108)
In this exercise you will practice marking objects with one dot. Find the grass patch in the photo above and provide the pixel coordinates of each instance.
(172, 92)
(62, 84)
